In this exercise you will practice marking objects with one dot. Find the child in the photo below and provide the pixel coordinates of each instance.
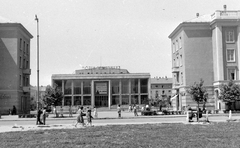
(119, 111)
(89, 117)
(95, 114)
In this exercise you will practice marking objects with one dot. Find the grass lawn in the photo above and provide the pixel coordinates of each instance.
(129, 136)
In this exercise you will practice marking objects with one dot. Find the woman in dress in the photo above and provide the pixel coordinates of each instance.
(80, 117)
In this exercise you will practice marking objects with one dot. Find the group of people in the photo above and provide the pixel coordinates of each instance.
(81, 114)
(13, 111)
(134, 109)
(41, 116)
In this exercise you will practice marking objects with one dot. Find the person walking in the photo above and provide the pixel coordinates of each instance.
(14, 110)
(119, 111)
(135, 110)
(80, 117)
(70, 110)
(38, 117)
(89, 117)
(95, 113)
(61, 111)
(44, 115)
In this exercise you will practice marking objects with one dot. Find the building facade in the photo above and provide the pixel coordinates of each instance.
(103, 87)
(15, 66)
(206, 47)
(161, 90)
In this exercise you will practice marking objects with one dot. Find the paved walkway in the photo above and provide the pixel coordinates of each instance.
(101, 115)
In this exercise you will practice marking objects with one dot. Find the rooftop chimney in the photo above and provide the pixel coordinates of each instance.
(225, 7)
(197, 14)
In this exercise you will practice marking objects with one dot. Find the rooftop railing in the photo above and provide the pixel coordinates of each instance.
(226, 15)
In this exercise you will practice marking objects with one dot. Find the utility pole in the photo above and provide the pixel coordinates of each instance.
(36, 18)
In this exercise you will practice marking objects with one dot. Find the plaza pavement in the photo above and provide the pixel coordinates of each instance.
(101, 116)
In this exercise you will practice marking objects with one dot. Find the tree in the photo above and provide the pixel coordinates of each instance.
(53, 95)
(229, 93)
(199, 94)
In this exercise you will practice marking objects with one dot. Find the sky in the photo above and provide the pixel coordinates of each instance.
(132, 34)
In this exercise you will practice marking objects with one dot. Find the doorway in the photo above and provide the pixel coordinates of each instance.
(101, 101)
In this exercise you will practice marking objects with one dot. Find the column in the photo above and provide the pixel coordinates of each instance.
(120, 92)
(129, 89)
(63, 92)
(82, 93)
(139, 92)
(219, 51)
(72, 92)
(92, 94)
(238, 50)
(109, 94)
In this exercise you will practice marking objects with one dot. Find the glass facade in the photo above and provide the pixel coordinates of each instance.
(123, 91)
(125, 99)
(87, 87)
(86, 100)
(125, 86)
(144, 85)
(115, 100)
(68, 87)
(115, 86)
(134, 99)
(134, 86)
(67, 100)
(77, 100)
(77, 87)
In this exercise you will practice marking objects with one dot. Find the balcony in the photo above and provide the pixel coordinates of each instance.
(26, 88)
(226, 15)
(27, 71)
(175, 69)
(176, 86)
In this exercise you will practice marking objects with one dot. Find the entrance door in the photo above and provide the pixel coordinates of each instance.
(101, 101)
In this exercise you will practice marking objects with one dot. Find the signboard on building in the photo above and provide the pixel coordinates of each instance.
(101, 88)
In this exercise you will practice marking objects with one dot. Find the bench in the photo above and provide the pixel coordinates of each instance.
(148, 113)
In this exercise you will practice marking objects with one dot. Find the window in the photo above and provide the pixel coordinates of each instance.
(77, 87)
(230, 36)
(143, 85)
(180, 42)
(230, 55)
(20, 80)
(67, 100)
(173, 47)
(77, 100)
(24, 47)
(134, 86)
(20, 44)
(20, 62)
(67, 87)
(125, 99)
(27, 66)
(177, 46)
(177, 64)
(231, 74)
(125, 87)
(182, 77)
(24, 63)
(181, 60)
(115, 86)
(27, 49)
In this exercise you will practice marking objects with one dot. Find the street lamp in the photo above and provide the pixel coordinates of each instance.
(36, 18)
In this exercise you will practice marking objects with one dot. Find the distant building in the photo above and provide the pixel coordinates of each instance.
(161, 90)
(103, 87)
(205, 47)
(15, 67)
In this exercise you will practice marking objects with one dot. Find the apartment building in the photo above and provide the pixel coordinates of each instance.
(15, 66)
(206, 47)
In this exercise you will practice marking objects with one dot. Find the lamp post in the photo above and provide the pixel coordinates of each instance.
(36, 18)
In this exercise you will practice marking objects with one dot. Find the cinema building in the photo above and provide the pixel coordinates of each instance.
(103, 87)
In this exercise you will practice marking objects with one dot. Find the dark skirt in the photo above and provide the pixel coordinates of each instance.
(80, 119)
